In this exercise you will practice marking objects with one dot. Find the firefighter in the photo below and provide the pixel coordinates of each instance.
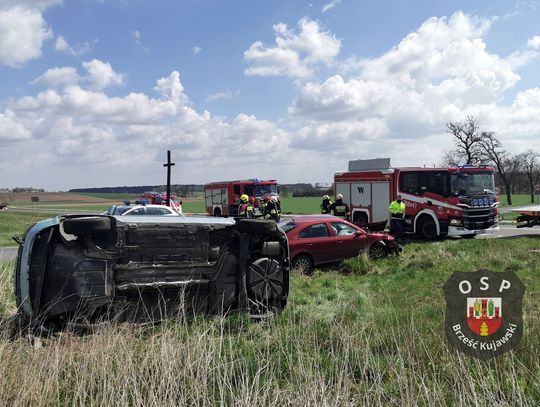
(245, 209)
(325, 205)
(397, 215)
(339, 208)
(271, 209)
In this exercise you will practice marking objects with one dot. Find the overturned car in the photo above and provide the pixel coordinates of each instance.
(82, 269)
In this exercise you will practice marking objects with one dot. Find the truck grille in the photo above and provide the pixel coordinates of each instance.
(478, 218)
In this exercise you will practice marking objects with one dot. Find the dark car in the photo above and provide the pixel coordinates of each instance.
(80, 270)
(320, 239)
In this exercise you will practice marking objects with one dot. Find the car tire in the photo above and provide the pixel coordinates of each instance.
(217, 212)
(428, 229)
(304, 264)
(257, 226)
(378, 251)
(265, 283)
(79, 226)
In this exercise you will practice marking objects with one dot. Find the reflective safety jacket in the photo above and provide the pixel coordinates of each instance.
(325, 206)
(271, 211)
(397, 210)
(245, 210)
(340, 209)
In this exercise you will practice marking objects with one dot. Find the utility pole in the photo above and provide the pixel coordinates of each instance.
(168, 164)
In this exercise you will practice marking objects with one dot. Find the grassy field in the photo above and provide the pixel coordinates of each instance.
(14, 223)
(372, 334)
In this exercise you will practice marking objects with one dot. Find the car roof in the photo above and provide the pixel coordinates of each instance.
(313, 218)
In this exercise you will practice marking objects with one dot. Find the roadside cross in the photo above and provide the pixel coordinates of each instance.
(168, 164)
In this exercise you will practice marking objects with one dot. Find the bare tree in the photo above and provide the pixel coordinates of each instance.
(507, 165)
(468, 141)
(531, 168)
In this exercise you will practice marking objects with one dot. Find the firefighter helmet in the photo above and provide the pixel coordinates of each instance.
(273, 199)
(251, 200)
(339, 196)
(266, 198)
(244, 198)
(325, 197)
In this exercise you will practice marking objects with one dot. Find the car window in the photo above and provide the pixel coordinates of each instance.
(342, 229)
(154, 211)
(318, 230)
(138, 211)
(287, 225)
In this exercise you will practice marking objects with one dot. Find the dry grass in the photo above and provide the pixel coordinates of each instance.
(356, 339)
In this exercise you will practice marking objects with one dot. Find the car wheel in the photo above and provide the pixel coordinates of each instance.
(304, 264)
(378, 251)
(217, 212)
(265, 285)
(78, 226)
(257, 226)
(428, 229)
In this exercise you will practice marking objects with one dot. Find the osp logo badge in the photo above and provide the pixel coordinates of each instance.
(484, 312)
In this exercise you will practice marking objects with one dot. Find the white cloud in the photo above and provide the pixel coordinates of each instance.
(55, 77)
(22, 34)
(136, 35)
(221, 95)
(196, 50)
(440, 72)
(62, 45)
(330, 6)
(294, 54)
(101, 74)
(10, 129)
(36, 4)
(534, 42)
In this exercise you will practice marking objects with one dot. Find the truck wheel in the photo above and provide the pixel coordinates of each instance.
(217, 212)
(378, 251)
(428, 229)
(257, 226)
(360, 220)
(304, 264)
(79, 226)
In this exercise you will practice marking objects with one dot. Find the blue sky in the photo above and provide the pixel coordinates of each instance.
(94, 92)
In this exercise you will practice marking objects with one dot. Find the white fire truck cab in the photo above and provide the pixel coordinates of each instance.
(444, 201)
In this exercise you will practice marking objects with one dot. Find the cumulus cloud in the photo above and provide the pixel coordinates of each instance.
(55, 77)
(196, 50)
(439, 73)
(62, 45)
(102, 75)
(22, 34)
(330, 6)
(295, 53)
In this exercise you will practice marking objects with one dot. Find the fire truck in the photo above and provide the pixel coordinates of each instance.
(444, 201)
(160, 198)
(223, 198)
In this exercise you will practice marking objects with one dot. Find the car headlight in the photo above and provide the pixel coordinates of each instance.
(456, 222)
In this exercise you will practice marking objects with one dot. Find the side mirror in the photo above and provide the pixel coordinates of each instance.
(360, 234)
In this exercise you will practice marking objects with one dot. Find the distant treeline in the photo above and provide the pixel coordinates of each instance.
(301, 189)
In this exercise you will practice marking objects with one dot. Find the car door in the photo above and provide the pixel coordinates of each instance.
(348, 240)
(313, 239)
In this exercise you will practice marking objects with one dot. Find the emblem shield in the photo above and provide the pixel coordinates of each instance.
(483, 315)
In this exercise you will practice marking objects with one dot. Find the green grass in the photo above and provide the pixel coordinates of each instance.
(13, 223)
(370, 335)
(518, 200)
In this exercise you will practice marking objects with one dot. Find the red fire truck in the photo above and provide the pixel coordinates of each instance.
(446, 201)
(223, 198)
(160, 198)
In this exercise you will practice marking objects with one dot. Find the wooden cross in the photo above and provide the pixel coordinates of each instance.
(168, 164)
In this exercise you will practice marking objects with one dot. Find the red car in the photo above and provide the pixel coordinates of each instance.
(319, 239)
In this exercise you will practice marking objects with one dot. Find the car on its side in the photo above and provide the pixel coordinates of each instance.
(80, 270)
(320, 239)
(141, 210)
